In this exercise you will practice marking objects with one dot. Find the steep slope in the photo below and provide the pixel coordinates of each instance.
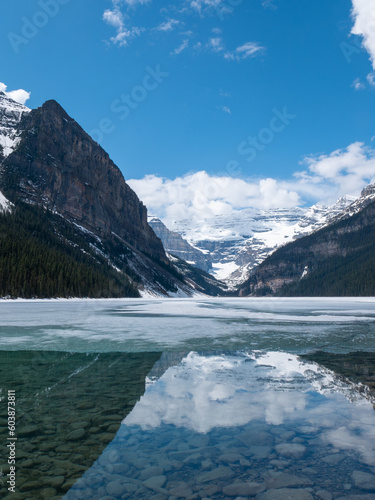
(58, 166)
(199, 280)
(176, 245)
(337, 260)
(41, 255)
(87, 216)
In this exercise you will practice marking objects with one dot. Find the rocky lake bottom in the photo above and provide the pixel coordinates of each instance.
(171, 423)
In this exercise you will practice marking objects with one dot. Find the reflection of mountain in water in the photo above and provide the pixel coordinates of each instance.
(241, 424)
(69, 407)
(358, 367)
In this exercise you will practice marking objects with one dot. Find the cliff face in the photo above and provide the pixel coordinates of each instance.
(58, 166)
(176, 245)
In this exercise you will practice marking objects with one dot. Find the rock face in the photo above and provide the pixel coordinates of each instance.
(58, 166)
(176, 245)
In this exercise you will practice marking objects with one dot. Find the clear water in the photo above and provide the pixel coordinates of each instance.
(267, 399)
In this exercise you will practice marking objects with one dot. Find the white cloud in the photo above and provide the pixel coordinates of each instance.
(344, 171)
(216, 44)
(131, 3)
(197, 195)
(226, 110)
(364, 16)
(117, 19)
(20, 95)
(200, 5)
(168, 25)
(249, 49)
(120, 14)
(181, 47)
(114, 18)
(371, 78)
(358, 85)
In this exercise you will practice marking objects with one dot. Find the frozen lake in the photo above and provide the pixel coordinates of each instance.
(295, 325)
(212, 398)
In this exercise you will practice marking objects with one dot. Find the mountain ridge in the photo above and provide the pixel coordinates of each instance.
(231, 246)
(337, 259)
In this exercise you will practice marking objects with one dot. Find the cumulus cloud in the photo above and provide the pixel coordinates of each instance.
(364, 25)
(20, 95)
(344, 171)
(201, 195)
(249, 49)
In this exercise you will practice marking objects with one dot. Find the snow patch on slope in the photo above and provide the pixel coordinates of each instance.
(11, 113)
(5, 205)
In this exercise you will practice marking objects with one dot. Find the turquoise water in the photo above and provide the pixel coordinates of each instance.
(266, 399)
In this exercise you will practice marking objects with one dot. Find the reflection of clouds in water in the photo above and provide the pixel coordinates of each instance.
(358, 434)
(200, 393)
(279, 405)
(204, 392)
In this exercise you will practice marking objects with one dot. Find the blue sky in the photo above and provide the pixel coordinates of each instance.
(225, 71)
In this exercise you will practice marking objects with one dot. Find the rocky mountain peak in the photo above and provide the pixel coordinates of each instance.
(368, 191)
(57, 165)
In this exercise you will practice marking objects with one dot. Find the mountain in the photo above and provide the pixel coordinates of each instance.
(236, 243)
(336, 260)
(176, 245)
(64, 199)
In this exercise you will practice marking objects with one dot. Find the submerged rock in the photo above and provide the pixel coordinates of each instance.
(243, 489)
(285, 494)
(364, 480)
(291, 450)
(276, 480)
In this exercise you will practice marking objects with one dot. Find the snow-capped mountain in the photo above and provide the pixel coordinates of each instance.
(236, 243)
(335, 260)
(11, 113)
